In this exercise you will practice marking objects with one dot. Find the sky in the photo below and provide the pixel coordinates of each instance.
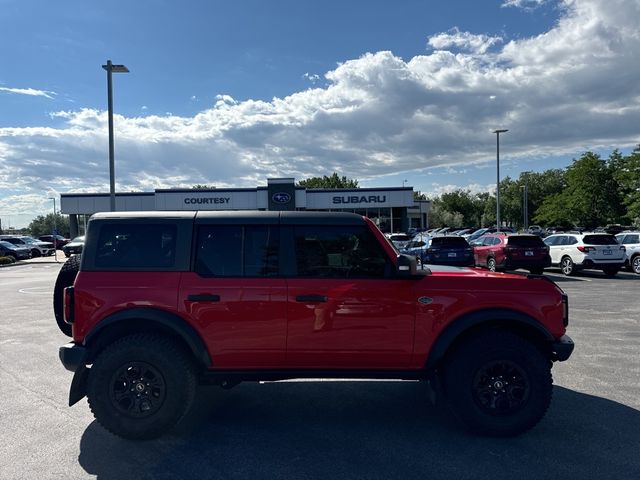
(230, 93)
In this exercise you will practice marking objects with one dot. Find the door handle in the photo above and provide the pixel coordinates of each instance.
(311, 298)
(205, 297)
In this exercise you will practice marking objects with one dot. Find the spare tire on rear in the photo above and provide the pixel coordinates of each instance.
(65, 279)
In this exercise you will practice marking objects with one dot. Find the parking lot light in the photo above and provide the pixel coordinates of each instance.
(498, 132)
(111, 68)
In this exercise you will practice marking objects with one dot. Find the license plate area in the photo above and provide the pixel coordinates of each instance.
(528, 253)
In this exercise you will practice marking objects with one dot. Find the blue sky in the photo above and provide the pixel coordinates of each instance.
(231, 93)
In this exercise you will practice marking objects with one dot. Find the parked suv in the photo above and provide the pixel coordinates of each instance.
(448, 250)
(499, 251)
(631, 242)
(58, 240)
(576, 251)
(37, 247)
(165, 300)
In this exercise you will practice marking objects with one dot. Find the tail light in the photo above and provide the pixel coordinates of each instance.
(69, 305)
(587, 249)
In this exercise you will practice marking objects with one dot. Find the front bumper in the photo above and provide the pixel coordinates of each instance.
(562, 348)
(72, 356)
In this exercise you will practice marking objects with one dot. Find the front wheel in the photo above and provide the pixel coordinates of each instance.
(140, 386)
(35, 253)
(498, 384)
(635, 264)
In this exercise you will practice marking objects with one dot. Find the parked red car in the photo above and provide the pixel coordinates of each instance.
(499, 251)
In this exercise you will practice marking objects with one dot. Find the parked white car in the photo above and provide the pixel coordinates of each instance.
(631, 242)
(577, 251)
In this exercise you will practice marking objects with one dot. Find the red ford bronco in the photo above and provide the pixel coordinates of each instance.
(161, 301)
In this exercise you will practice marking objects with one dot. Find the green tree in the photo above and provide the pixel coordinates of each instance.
(334, 181)
(626, 171)
(44, 225)
(591, 195)
(199, 186)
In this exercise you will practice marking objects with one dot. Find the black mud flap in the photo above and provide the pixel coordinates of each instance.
(78, 385)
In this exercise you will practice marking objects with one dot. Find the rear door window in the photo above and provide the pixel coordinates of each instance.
(237, 251)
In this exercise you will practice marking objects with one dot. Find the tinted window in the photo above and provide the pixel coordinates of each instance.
(525, 241)
(338, 252)
(599, 240)
(136, 245)
(449, 242)
(630, 239)
(237, 251)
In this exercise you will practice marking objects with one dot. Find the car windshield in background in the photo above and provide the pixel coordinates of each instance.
(599, 240)
(525, 241)
(449, 242)
(400, 237)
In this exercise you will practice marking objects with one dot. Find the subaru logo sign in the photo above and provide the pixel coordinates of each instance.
(281, 197)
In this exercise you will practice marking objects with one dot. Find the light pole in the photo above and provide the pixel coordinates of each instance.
(525, 207)
(498, 132)
(111, 68)
(403, 182)
(55, 230)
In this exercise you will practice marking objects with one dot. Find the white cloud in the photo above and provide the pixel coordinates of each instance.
(29, 91)
(466, 41)
(524, 4)
(574, 87)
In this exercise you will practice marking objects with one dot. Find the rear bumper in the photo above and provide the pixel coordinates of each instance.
(511, 264)
(562, 348)
(72, 356)
(597, 264)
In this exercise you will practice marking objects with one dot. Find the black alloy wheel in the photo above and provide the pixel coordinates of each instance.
(501, 387)
(137, 389)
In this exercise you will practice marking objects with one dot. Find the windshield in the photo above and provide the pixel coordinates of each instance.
(79, 239)
(599, 240)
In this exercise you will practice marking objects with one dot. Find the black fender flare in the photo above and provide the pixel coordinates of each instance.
(468, 323)
(135, 319)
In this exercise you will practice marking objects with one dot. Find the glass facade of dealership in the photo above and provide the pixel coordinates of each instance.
(392, 209)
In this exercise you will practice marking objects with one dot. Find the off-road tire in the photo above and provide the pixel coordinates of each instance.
(498, 384)
(66, 277)
(141, 385)
(567, 266)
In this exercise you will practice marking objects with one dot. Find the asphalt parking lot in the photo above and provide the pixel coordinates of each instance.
(322, 430)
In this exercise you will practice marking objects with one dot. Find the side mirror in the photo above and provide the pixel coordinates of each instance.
(407, 266)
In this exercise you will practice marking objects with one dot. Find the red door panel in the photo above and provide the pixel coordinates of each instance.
(350, 323)
(242, 320)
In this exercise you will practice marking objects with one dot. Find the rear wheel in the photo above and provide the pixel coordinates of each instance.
(140, 386)
(66, 277)
(498, 384)
(566, 264)
(491, 264)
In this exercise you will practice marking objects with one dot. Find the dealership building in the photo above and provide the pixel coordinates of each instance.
(392, 209)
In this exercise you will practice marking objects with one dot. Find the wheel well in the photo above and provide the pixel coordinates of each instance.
(183, 336)
(513, 322)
